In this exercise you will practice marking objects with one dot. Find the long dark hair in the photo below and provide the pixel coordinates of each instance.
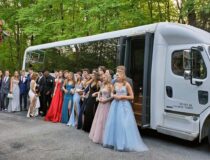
(96, 79)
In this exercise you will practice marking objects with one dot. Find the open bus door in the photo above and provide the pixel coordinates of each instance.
(136, 56)
(132, 59)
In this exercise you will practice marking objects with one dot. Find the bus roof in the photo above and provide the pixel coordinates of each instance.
(108, 35)
(165, 32)
(165, 28)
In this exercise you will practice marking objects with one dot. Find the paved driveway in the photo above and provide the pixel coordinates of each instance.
(35, 139)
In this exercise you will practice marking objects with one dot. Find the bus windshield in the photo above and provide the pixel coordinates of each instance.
(75, 57)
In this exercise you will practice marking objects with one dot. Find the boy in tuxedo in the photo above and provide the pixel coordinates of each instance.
(23, 90)
(5, 88)
(41, 82)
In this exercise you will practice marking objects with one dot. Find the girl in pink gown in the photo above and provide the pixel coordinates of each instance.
(104, 98)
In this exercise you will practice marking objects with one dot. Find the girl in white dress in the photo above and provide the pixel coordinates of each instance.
(14, 102)
(34, 99)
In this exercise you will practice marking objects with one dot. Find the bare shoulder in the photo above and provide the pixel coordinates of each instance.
(127, 85)
(33, 81)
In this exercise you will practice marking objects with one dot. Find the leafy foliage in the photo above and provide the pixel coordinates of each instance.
(32, 22)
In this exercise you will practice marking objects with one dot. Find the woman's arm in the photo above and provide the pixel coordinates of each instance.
(33, 86)
(130, 95)
(56, 84)
(63, 87)
(89, 82)
(99, 96)
(11, 85)
(95, 94)
(72, 91)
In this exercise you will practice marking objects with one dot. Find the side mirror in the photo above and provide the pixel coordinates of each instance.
(188, 64)
(187, 60)
(187, 75)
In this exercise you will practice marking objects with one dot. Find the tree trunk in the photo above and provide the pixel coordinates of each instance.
(62, 17)
(179, 6)
(73, 15)
(168, 10)
(159, 10)
(191, 13)
(150, 10)
(17, 41)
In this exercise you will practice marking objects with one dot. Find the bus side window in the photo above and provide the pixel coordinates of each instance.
(198, 65)
(177, 63)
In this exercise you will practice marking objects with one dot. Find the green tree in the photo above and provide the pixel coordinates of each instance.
(32, 22)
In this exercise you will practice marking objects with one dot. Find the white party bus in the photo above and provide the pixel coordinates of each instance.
(170, 67)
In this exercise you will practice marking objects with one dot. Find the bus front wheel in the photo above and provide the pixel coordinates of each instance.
(209, 136)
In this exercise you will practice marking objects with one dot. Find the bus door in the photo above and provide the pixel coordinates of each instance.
(137, 60)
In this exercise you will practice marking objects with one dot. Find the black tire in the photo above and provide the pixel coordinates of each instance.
(209, 136)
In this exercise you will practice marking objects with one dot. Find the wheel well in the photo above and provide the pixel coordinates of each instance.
(206, 126)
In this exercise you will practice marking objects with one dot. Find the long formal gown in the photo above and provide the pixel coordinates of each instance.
(82, 108)
(67, 102)
(76, 106)
(97, 129)
(32, 95)
(54, 112)
(121, 132)
(14, 103)
(90, 108)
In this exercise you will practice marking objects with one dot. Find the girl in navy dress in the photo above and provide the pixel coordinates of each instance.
(121, 132)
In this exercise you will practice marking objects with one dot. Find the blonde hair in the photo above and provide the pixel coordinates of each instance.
(34, 76)
(122, 68)
(17, 74)
(122, 72)
(72, 75)
(107, 82)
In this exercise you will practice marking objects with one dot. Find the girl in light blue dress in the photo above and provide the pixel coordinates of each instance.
(76, 101)
(121, 132)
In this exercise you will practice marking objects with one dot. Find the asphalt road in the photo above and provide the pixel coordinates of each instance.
(35, 139)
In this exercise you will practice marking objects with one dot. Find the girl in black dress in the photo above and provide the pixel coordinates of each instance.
(91, 104)
(86, 84)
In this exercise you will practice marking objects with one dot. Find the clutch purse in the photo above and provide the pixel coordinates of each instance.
(10, 95)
